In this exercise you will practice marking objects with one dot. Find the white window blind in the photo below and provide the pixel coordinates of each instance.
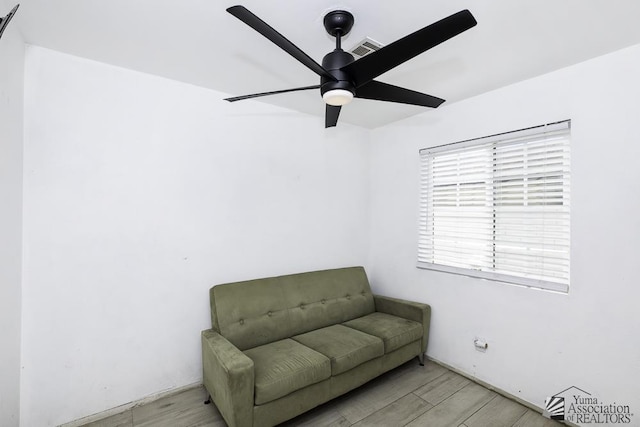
(498, 207)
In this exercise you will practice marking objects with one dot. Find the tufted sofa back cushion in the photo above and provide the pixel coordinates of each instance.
(257, 312)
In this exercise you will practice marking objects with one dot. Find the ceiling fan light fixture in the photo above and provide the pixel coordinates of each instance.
(337, 97)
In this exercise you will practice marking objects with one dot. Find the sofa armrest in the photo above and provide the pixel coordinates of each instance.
(229, 378)
(410, 310)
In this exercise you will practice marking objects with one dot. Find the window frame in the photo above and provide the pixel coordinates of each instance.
(522, 137)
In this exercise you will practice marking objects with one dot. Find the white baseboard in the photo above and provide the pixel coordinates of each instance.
(122, 408)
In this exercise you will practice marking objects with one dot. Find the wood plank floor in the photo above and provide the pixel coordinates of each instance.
(410, 395)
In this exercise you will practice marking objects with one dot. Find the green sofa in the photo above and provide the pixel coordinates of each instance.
(283, 345)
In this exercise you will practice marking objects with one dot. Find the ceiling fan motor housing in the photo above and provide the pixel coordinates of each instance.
(333, 62)
(338, 23)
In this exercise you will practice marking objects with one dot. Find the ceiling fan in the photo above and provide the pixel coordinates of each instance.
(342, 78)
(5, 21)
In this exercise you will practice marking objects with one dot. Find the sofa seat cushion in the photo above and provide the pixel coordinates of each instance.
(284, 366)
(394, 331)
(345, 347)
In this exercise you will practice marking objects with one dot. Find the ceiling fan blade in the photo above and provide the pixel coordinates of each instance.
(243, 14)
(371, 66)
(331, 116)
(386, 92)
(275, 92)
(5, 21)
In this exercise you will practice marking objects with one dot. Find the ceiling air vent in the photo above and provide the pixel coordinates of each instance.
(364, 48)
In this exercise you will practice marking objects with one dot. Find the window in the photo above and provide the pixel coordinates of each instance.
(498, 207)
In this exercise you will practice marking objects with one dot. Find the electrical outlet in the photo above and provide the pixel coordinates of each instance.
(480, 344)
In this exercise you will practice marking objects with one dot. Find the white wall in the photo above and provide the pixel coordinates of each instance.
(11, 102)
(140, 194)
(539, 342)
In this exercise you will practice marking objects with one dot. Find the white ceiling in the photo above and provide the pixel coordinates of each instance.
(198, 42)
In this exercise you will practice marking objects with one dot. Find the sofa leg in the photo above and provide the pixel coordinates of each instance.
(208, 401)
(421, 359)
